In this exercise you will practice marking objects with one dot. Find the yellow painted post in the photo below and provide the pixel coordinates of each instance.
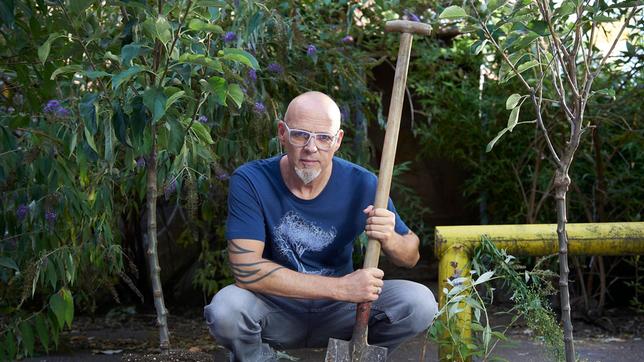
(453, 245)
(454, 264)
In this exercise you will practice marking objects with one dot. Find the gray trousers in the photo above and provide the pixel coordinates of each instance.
(250, 324)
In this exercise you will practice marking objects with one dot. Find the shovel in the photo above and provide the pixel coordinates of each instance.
(357, 349)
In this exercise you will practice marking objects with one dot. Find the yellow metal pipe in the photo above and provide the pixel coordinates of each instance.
(453, 245)
(625, 238)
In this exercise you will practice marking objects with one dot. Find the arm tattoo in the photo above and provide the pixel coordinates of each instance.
(233, 248)
(243, 271)
(256, 279)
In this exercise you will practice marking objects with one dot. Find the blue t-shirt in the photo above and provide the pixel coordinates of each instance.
(310, 236)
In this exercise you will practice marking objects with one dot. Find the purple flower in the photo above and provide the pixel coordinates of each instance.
(50, 216)
(140, 162)
(169, 189)
(52, 106)
(222, 175)
(411, 16)
(203, 119)
(259, 107)
(252, 75)
(347, 39)
(311, 50)
(22, 212)
(230, 37)
(275, 68)
(62, 112)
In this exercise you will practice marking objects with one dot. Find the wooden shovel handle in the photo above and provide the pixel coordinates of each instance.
(391, 140)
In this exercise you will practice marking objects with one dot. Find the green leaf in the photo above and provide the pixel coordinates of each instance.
(202, 132)
(201, 59)
(607, 92)
(478, 46)
(45, 48)
(138, 118)
(8, 263)
(241, 56)
(176, 136)
(72, 144)
(487, 335)
(236, 94)
(108, 152)
(540, 27)
(129, 52)
(51, 274)
(87, 107)
(120, 124)
(173, 98)
(600, 18)
(484, 277)
(57, 305)
(453, 12)
(10, 342)
(90, 139)
(513, 119)
(7, 17)
(72, 68)
(527, 65)
(512, 101)
(79, 6)
(43, 332)
(218, 86)
(124, 76)
(493, 5)
(567, 8)
(162, 27)
(199, 25)
(27, 335)
(69, 306)
(155, 101)
(495, 139)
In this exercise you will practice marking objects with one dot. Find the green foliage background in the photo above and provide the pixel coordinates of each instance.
(73, 173)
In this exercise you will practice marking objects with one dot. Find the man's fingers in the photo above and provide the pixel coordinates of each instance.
(376, 272)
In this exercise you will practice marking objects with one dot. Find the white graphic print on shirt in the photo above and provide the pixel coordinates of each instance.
(294, 235)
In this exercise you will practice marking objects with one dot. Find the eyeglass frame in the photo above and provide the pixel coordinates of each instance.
(312, 135)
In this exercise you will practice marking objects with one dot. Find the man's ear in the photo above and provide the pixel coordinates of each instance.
(281, 132)
(340, 137)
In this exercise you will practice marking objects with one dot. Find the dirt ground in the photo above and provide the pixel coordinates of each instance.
(128, 336)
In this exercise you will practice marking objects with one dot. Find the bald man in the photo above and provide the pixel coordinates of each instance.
(292, 223)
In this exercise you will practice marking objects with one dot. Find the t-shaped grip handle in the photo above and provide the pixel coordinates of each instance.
(406, 26)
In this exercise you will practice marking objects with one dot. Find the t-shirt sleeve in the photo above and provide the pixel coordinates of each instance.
(401, 228)
(245, 218)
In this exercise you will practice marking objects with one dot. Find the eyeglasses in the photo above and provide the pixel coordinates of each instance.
(301, 138)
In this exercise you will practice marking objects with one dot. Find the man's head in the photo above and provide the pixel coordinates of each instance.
(311, 134)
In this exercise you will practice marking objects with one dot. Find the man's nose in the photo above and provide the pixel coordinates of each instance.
(310, 145)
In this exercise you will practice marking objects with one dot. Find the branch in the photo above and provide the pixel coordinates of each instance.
(603, 61)
(543, 127)
(498, 48)
(174, 41)
(559, 88)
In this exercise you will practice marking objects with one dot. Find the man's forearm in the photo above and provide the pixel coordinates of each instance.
(403, 250)
(264, 276)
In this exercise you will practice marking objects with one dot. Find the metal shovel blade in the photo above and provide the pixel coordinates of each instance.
(340, 351)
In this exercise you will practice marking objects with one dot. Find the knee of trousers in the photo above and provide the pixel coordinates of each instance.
(421, 307)
(227, 312)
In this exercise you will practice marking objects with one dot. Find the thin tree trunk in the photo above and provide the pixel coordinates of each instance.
(153, 259)
(562, 181)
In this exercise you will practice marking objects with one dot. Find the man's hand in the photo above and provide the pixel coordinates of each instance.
(380, 225)
(363, 285)
(402, 250)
